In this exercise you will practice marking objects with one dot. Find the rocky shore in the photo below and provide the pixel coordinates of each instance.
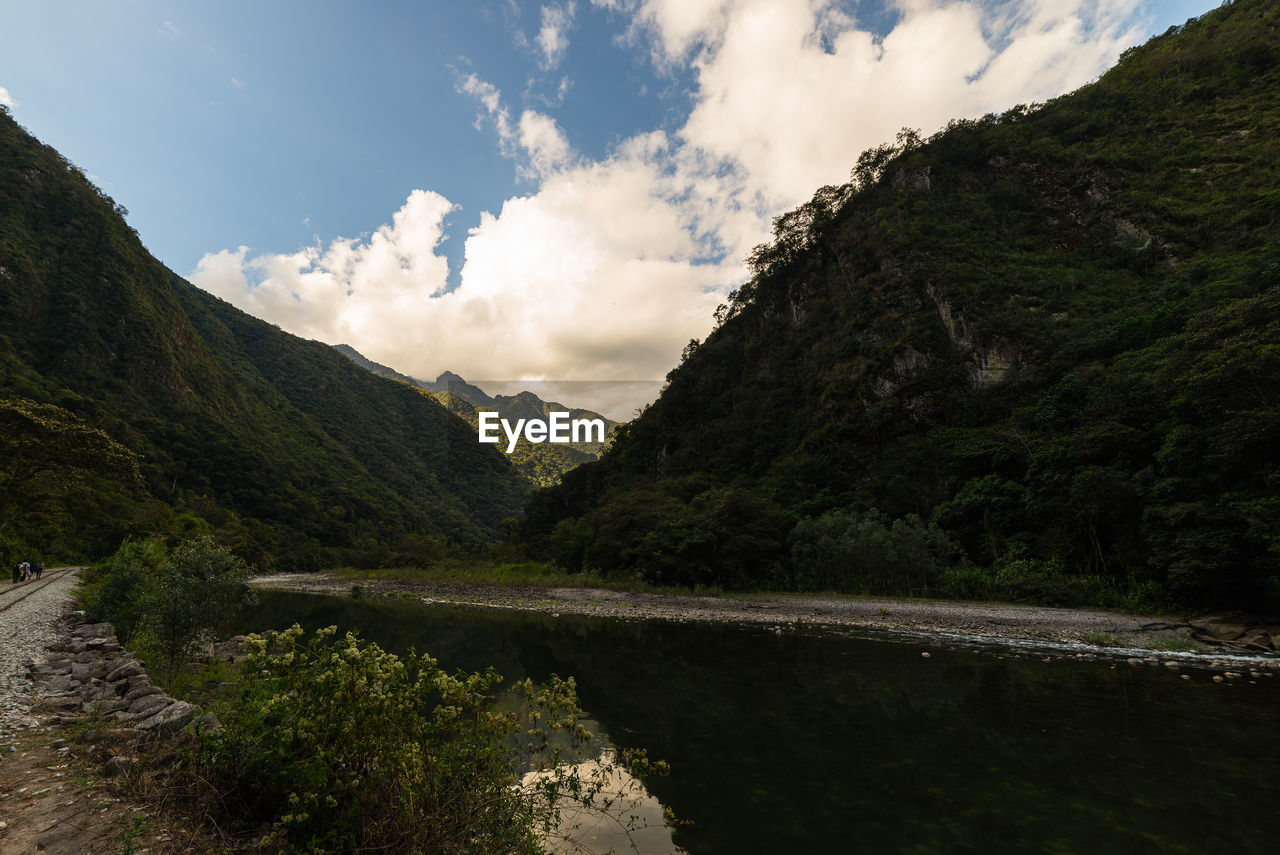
(1095, 631)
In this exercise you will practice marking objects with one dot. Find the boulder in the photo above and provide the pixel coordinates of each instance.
(1225, 626)
(128, 669)
(86, 671)
(148, 703)
(140, 687)
(1257, 639)
(170, 718)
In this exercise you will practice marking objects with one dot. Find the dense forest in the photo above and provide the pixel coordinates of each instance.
(1036, 355)
(210, 421)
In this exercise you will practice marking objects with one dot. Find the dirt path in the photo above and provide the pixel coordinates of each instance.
(1072, 630)
(54, 799)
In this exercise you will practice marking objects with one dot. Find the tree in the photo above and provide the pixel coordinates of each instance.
(45, 450)
(195, 590)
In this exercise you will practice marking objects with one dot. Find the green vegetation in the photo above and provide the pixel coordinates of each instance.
(543, 464)
(1035, 357)
(48, 456)
(345, 747)
(337, 745)
(168, 603)
(278, 447)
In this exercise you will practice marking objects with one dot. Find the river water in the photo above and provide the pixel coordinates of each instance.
(812, 743)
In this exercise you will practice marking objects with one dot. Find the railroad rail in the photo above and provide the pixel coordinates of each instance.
(12, 593)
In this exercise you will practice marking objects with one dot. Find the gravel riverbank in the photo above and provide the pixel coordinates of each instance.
(1096, 631)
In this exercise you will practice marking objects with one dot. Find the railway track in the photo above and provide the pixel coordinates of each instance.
(11, 594)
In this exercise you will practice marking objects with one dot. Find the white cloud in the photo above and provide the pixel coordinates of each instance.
(791, 93)
(553, 35)
(606, 268)
(490, 98)
(354, 290)
(545, 143)
(588, 279)
(6, 100)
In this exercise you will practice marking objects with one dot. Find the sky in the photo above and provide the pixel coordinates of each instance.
(514, 191)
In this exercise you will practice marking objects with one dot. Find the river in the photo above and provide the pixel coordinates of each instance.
(819, 743)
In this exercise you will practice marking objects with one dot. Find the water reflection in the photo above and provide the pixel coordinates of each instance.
(821, 744)
(629, 818)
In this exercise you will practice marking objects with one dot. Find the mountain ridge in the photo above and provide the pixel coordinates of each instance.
(281, 447)
(1028, 357)
(542, 463)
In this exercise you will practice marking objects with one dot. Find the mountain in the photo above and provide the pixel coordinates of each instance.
(543, 463)
(1036, 355)
(446, 382)
(282, 447)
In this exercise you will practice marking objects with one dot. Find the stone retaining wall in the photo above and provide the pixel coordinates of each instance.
(89, 672)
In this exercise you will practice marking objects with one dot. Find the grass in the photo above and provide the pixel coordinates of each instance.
(513, 574)
(1171, 644)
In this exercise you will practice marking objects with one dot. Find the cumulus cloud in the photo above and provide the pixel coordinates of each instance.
(606, 268)
(6, 100)
(791, 92)
(555, 286)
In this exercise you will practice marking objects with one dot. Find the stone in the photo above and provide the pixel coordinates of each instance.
(143, 688)
(147, 703)
(94, 630)
(1257, 639)
(117, 766)
(128, 669)
(170, 718)
(86, 671)
(59, 683)
(1224, 626)
(102, 707)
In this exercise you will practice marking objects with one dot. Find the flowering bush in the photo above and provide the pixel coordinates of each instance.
(345, 747)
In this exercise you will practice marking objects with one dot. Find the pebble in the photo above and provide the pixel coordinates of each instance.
(925, 654)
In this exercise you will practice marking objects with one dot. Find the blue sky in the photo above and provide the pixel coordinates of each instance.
(557, 190)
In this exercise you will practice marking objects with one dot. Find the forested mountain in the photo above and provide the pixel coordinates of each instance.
(283, 447)
(542, 463)
(1037, 354)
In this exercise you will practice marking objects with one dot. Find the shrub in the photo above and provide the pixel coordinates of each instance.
(168, 602)
(118, 587)
(344, 747)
